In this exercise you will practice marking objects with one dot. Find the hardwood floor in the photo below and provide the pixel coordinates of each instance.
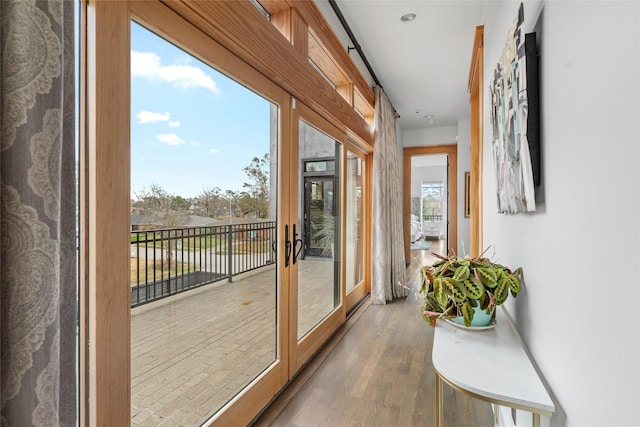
(376, 371)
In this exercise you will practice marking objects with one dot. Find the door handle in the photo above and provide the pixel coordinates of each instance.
(296, 252)
(287, 246)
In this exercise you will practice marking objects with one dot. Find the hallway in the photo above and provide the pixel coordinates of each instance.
(376, 371)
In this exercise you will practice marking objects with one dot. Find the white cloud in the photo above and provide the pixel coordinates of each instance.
(148, 65)
(213, 151)
(144, 64)
(174, 124)
(195, 143)
(149, 117)
(170, 139)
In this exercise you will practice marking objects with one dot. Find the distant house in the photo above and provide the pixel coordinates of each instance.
(154, 222)
(145, 222)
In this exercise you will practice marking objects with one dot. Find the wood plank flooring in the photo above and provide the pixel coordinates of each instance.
(376, 371)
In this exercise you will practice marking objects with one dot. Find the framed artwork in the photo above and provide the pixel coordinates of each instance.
(509, 119)
(467, 194)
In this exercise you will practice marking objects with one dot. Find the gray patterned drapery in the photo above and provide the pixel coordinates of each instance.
(37, 214)
(388, 264)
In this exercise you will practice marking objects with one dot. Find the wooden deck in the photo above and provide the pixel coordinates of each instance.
(192, 352)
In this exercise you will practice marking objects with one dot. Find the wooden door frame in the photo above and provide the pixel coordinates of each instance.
(450, 150)
(476, 77)
(302, 349)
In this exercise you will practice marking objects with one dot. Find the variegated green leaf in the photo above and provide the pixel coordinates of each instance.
(487, 276)
(467, 313)
(454, 289)
(461, 274)
(500, 293)
(439, 293)
(433, 302)
(513, 283)
(473, 288)
(484, 301)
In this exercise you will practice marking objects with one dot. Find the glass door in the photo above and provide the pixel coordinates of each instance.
(317, 291)
(318, 279)
(355, 222)
(205, 270)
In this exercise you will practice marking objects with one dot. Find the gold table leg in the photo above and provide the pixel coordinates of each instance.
(536, 420)
(439, 418)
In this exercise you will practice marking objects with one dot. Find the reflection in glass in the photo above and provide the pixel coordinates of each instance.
(319, 205)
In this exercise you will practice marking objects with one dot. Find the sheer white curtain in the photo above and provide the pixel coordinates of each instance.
(37, 214)
(388, 264)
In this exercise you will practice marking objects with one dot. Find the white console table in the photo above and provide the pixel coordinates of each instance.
(490, 365)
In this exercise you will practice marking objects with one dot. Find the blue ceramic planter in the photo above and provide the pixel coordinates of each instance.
(480, 318)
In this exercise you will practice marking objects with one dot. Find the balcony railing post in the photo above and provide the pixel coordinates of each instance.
(230, 252)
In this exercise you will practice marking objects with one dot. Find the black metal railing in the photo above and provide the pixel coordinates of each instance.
(434, 218)
(168, 261)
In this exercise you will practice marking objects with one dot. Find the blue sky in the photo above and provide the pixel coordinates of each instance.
(191, 127)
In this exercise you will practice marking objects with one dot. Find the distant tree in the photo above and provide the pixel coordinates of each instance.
(157, 202)
(211, 202)
(255, 198)
(179, 203)
(153, 201)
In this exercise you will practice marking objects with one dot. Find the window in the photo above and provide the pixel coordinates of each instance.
(432, 201)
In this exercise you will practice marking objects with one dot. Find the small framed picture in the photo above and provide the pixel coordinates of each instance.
(467, 194)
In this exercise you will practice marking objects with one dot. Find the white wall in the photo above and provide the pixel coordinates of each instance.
(420, 174)
(464, 165)
(430, 136)
(578, 312)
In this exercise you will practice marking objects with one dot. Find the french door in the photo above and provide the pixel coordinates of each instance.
(215, 299)
(315, 206)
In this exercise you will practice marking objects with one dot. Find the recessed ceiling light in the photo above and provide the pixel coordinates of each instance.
(408, 17)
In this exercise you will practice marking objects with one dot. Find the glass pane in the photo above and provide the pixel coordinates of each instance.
(319, 202)
(354, 255)
(432, 201)
(320, 166)
(203, 225)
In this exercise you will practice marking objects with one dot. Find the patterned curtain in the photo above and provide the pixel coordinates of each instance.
(388, 272)
(37, 214)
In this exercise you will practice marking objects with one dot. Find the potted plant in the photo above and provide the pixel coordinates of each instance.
(461, 287)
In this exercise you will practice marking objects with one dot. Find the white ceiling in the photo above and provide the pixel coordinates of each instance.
(422, 65)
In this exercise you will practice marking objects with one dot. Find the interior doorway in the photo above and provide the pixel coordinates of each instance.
(430, 198)
(429, 205)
